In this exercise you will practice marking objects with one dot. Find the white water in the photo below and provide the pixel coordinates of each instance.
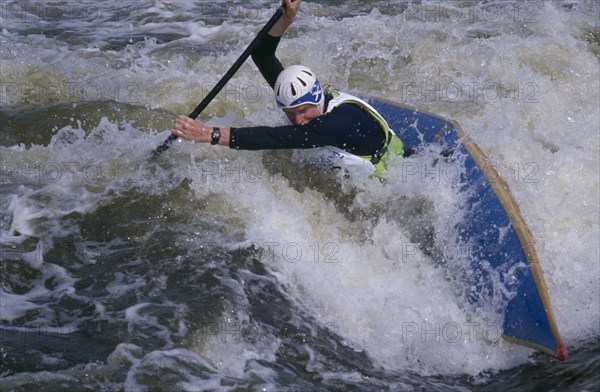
(524, 86)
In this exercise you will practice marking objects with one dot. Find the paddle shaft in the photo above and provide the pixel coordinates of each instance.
(234, 68)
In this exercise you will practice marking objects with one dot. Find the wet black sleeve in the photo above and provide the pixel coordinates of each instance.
(347, 127)
(265, 59)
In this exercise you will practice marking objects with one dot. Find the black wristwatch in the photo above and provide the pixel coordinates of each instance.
(216, 135)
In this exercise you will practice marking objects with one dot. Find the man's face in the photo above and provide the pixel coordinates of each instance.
(302, 114)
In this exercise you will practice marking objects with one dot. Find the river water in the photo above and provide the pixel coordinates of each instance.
(213, 269)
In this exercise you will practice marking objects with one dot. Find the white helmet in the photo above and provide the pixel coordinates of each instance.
(297, 85)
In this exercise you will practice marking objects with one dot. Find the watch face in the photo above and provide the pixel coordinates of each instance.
(216, 135)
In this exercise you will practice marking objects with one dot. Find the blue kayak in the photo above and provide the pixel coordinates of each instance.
(500, 243)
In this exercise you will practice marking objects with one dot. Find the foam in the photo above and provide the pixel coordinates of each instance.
(541, 132)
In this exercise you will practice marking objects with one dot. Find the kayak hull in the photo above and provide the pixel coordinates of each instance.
(500, 244)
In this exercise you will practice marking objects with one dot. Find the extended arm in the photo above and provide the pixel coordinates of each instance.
(348, 127)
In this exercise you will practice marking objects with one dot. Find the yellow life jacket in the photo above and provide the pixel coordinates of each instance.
(392, 147)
